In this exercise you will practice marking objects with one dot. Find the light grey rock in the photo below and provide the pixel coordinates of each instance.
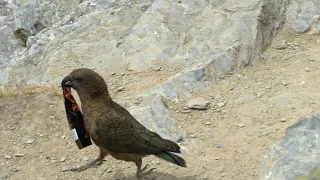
(85, 158)
(30, 141)
(112, 36)
(154, 114)
(303, 15)
(221, 104)
(206, 39)
(219, 145)
(65, 168)
(283, 119)
(19, 155)
(198, 103)
(63, 159)
(297, 154)
(7, 156)
(9, 46)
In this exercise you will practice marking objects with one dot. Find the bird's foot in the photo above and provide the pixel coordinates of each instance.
(144, 172)
(98, 163)
(87, 166)
(79, 169)
(146, 167)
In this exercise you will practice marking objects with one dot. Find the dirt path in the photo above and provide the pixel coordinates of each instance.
(249, 112)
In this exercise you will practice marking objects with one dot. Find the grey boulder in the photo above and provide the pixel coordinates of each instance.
(297, 154)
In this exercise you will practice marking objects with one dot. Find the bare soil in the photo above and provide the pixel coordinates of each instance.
(249, 112)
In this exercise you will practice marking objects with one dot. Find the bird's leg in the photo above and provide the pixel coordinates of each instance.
(139, 164)
(139, 170)
(97, 161)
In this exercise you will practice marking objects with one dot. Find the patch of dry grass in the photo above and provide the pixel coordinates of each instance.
(28, 90)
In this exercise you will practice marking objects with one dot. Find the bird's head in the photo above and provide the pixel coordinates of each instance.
(87, 83)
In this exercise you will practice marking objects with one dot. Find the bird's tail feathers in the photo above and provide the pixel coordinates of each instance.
(175, 159)
(172, 146)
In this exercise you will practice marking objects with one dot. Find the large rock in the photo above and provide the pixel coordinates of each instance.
(137, 35)
(303, 15)
(206, 39)
(297, 154)
(9, 46)
(155, 115)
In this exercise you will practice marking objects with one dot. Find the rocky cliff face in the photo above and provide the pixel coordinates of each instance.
(303, 16)
(115, 36)
(203, 39)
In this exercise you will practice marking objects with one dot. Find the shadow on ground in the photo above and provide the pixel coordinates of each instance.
(155, 176)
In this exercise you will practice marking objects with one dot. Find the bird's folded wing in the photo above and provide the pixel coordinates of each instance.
(129, 136)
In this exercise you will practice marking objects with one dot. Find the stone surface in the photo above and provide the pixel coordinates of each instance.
(206, 39)
(297, 154)
(198, 103)
(304, 15)
(139, 35)
(154, 114)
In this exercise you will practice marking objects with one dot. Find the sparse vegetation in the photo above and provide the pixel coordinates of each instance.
(28, 90)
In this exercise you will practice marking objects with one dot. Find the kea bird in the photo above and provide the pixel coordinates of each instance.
(112, 128)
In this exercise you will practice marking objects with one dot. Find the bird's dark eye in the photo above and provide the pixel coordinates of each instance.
(77, 78)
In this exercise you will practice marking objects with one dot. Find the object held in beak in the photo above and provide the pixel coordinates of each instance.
(75, 120)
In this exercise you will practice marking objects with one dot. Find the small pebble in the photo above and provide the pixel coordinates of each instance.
(64, 169)
(30, 141)
(280, 47)
(199, 104)
(85, 158)
(18, 155)
(7, 156)
(259, 94)
(157, 68)
(283, 119)
(62, 159)
(219, 146)
(207, 123)
(109, 170)
(16, 169)
(121, 89)
(221, 104)
(284, 83)
(265, 133)
(113, 73)
(240, 125)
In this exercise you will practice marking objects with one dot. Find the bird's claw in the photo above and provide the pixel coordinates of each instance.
(98, 163)
(94, 163)
(146, 167)
(79, 169)
(144, 171)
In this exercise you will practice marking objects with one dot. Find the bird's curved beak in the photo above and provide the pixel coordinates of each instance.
(67, 82)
